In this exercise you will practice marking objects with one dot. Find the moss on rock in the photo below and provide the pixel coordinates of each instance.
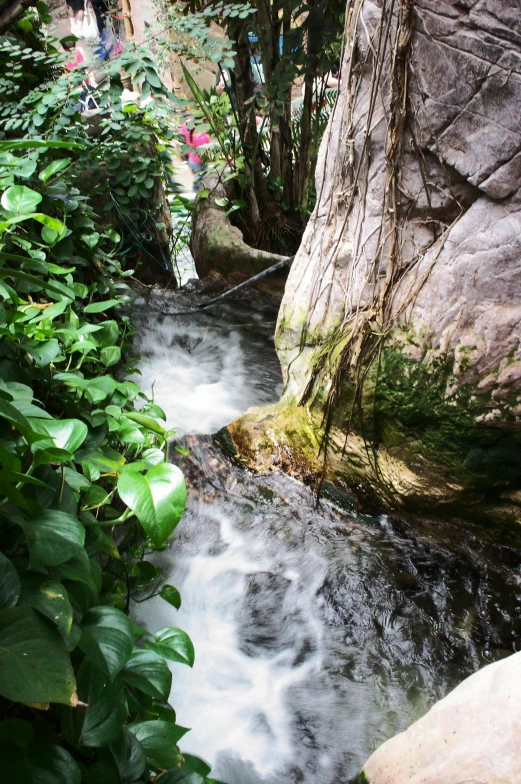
(423, 438)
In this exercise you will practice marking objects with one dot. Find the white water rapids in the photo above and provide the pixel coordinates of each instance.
(317, 634)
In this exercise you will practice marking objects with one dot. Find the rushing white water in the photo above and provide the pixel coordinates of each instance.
(201, 373)
(318, 635)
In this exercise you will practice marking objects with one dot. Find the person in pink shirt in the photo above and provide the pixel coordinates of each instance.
(195, 139)
(76, 56)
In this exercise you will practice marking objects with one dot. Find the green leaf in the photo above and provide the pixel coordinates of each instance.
(113, 235)
(9, 583)
(53, 537)
(31, 144)
(53, 168)
(197, 764)
(171, 595)
(100, 388)
(91, 240)
(158, 499)
(129, 756)
(153, 78)
(100, 307)
(68, 434)
(49, 597)
(107, 639)
(156, 411)
(154, 456)
(82, 570)
(11, 413)
(50, 223)
(159, 739)
(20, 200)
(148, 672)
(146, 421)
(44, 351)
(107, 706)
(173, 644)
(58, 290)
(110, 355)
(34, 662)
(76, 480)
(50, 764)
(51, 455)
(184, 775)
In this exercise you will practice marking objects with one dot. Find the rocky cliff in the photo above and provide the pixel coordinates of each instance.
(399, 329)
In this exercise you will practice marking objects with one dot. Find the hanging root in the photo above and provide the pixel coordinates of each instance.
(357, 344)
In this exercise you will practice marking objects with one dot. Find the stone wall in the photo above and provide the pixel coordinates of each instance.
(399, 327)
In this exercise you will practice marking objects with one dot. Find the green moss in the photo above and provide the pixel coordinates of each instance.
(416, 416)
(361, 778)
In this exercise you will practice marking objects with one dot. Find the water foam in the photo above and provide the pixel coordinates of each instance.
(203, 376)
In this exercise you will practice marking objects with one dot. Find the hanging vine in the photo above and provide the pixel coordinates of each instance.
(355, 347)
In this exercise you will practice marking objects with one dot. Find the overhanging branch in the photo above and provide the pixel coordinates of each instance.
(12, 12)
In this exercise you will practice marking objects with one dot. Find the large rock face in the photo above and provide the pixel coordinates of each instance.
(470, 737)
(399, 328)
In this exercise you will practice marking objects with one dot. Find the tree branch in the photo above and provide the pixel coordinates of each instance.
(12, 12)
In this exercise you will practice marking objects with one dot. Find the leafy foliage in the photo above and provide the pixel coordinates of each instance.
(269, 141)
(83, 689)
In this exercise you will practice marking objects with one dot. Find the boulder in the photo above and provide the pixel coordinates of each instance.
(469, 737)
(398, 333)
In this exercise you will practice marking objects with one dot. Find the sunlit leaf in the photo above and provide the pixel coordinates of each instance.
(158, 499)
(173, 644)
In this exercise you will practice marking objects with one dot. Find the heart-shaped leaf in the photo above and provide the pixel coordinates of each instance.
(147, 671)
(53, 537)
(34, 662)
(107, 638)
(173, 644)
(101, 723)
(50, 764)
(159, 739)
(68, 434)
(157, 499)
(20, 200)
(171, 595)
(53, 168)
(129, 756)
(49, 597)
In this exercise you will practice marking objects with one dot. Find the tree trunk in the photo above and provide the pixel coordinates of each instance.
(219, 246)
(13, 11)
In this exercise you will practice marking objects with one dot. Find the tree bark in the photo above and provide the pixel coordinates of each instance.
(218, 246)
(12, 12)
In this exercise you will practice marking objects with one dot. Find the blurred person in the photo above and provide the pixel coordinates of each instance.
(195, 139)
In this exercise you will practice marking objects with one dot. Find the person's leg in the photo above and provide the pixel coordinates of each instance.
(197, 170)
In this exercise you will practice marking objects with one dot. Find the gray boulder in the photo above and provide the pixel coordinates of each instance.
(470, 737)
(399, 329)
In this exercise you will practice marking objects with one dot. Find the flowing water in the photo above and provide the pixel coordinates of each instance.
(319, 633)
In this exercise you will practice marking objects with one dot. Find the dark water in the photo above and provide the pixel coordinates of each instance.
(318, 633)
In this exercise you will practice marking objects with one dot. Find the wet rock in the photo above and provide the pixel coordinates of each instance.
(409, 310)
(472, 735)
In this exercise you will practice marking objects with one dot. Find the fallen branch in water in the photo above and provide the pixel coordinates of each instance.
(211, 303)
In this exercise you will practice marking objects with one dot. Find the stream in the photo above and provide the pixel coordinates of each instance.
(319, 632)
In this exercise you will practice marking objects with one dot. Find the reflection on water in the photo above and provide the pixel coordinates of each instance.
(318, 634)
